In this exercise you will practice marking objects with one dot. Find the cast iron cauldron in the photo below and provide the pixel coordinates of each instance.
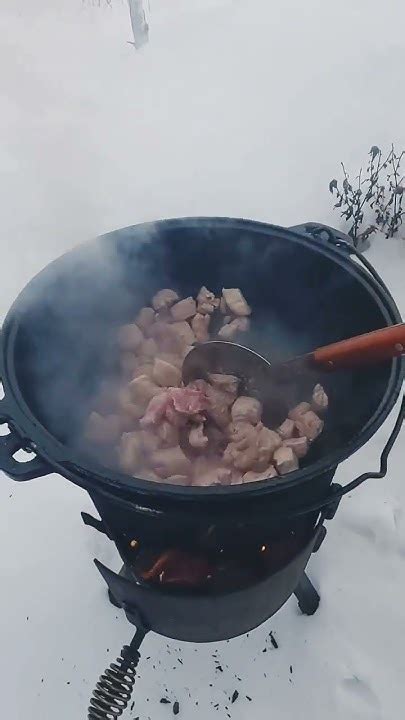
(305, 290)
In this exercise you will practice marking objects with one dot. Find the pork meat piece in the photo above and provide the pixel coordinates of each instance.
(168, 434)
(149, 440)
(142, 389)
(200, 324)
(210, 472)
(299, 445)
(129, 412)
(246, 409)
(207, 303)
(243, 460)
(102, 429)
(166, 375)
(164, 299)
(171, 358)
(268, 473)
(243, 435)
(178, 480)
(145, 318)
(184, 332)
(268, 442)
(147, 349)
(227, 383)
(309, 425)
(146, 368)
(170, 461)
(236, 302)
(286, 429)
(166, 338)
(299, 410)
(156, 409)
(229, 329)
(285, 460)
(129, 337)
(176, 418)
(319, 399)
(197, 438)
(218, 406)
(184, 309)
(130, 452)
(188, 400)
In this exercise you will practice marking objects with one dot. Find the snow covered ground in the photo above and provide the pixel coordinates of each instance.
(236, 107)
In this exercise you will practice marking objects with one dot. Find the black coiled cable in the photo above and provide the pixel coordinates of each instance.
(114, 688)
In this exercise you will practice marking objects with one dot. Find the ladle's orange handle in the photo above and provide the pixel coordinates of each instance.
(375, 346)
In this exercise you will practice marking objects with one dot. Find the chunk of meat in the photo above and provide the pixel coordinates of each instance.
(217, 440)
(166, 338)
(129, 337)
(285, 460)
(286, 429)
(176, 418)
(129, 411)
(145, 369)
(196, 437)
(156, 409)
(229, 329)
(268, 473)
(148, 474)
(168, 434)
(246, 409)
(102, 429)
(171, 358)
(226, 383)
(299, 445)
(207, 303)
(184, 309)
(142, 389)
(236, 302)
(267, 442)
(299, 410)
(309, 425)
(242, 460)
(200, 324)
(145, 318)
(165, 374)
(184, 332)
(130, 452)
(208, 473)
(149, 440)
(188, 400)
(164, 299)
(320, 399)
(178, 480)
(243, 435)
(218, 406)
(147, 349)
(170, 461)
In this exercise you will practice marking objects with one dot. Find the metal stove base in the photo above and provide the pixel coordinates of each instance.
(308, 598)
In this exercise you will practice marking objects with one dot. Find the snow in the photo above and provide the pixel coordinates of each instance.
(236, 107)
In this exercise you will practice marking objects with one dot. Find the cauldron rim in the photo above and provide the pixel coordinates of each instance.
(76, 467)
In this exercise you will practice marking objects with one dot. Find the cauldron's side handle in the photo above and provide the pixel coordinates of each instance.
(12, 441)
(327, 234)
(330, 502)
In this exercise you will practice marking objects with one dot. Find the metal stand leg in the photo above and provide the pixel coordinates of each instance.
(307, 596)
(123, 572)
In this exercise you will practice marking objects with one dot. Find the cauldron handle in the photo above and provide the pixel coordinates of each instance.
(332, 500)
(11, 442)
